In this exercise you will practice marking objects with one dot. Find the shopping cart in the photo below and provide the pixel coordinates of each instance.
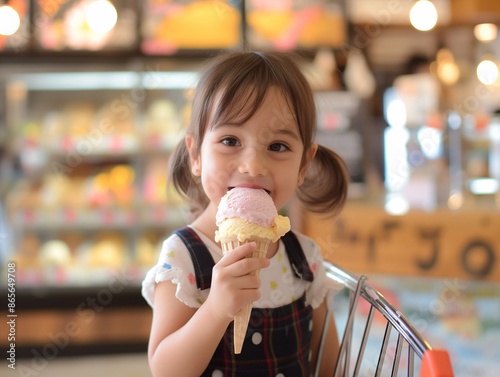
(399, 352)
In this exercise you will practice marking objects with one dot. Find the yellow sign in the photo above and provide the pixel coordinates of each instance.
(463, 244)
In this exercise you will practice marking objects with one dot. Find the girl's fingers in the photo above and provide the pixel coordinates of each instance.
(240, 252)
(234, 282)
(239, 263)
(248, 282)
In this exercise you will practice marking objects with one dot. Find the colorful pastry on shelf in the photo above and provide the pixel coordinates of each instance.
(84, 129)
(112, 186)
(55, 190)
(31, 134)
(26, 253)
(107, 250)
(25, 195)
(121, 179)
(155, 181)
(115, 127)
(32, 154)
(147, 250)
(54, 130)
(55, 253)
(162, 128)
(155, 188)
(74, 197)
(97, 191)
(78, 118)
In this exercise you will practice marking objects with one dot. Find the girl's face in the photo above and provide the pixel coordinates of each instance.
(265, 152)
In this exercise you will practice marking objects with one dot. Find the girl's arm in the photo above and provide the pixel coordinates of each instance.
(183, 339)
(331, 345)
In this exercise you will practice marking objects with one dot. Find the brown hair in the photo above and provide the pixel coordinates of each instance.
(238, 83)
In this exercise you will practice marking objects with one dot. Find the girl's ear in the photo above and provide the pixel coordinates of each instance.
(194, 155)
(309, 157)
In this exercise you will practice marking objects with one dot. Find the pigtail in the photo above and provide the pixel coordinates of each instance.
(185, 183)
(325, 187)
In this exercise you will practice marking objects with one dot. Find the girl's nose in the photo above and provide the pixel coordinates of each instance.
(253, 163)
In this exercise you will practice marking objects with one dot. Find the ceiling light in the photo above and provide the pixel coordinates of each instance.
(487, 72)
(9, 20)
(447, 69)
(423, 15)
(101, 16)
(485, 32)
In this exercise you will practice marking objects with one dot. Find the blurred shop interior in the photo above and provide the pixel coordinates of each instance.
(94, 95)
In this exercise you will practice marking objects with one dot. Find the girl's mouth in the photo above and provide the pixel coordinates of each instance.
(252, 187)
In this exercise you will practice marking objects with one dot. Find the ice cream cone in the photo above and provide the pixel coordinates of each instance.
(243, 316)
(244, 215)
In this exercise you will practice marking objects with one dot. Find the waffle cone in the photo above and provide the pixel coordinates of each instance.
(243, 316)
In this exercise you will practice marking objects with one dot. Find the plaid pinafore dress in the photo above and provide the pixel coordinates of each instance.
(278, 340)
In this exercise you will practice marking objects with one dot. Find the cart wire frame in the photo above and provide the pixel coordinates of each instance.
(434, 362)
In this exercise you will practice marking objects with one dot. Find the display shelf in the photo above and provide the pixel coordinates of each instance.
(94, 145)
(137, 218)
(78, 277)
(99, 145)
(106, 80)
(90, 197)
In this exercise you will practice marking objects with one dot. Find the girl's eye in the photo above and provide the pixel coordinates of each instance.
(230, 142)
(278, 147)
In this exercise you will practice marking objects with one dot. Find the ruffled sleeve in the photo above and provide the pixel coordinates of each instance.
(174, 264)
(322, 286)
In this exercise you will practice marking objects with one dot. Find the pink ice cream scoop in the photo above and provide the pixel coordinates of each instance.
(248, 213)
(254, 205)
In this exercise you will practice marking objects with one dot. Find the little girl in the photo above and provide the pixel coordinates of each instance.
(253, 124)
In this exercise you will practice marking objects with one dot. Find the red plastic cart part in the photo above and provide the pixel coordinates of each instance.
(436, 363)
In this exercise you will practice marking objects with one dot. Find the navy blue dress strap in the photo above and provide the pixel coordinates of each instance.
(297, 257)
(203, 261)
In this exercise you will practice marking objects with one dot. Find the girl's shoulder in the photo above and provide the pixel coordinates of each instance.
(192, 236)
(176, 265)
(174, 248)
(312, 252)
(172, 240)
(321, 286)
(309, 246)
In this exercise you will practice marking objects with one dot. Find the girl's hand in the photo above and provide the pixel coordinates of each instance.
(233, 281)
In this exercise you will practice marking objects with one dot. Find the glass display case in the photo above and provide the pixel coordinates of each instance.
(92, 151)
(84, 206)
